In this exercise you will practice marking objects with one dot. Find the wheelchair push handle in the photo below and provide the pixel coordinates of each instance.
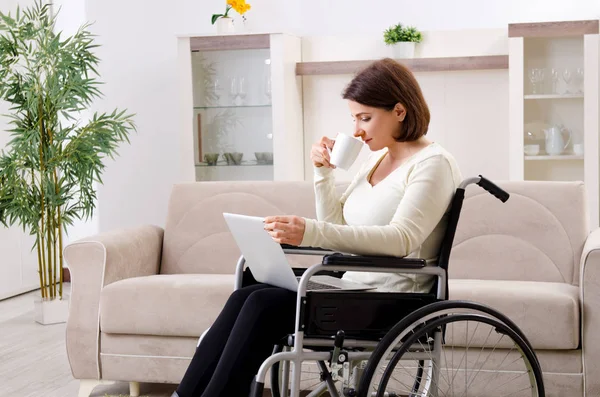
(494, 189)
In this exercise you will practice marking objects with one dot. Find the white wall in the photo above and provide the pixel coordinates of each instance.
(18, 265)
(139, 66)
(468, 108)
(343, 17)
(71, 15)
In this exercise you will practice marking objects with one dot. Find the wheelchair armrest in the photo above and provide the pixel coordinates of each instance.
(337, 259)
(293, 249)
(299, 272)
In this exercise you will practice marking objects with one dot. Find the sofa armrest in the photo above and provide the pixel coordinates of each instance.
(590, 312)
(94, 263)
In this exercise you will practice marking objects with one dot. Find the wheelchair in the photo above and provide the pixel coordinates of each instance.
(392, 344)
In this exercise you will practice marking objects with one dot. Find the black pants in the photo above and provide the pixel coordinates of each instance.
(253, 320)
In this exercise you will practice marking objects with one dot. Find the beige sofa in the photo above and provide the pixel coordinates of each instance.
(141, 297)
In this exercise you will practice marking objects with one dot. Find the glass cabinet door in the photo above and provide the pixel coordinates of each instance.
(553, 102)
(233, 128)
(241, 107)
(553, 108)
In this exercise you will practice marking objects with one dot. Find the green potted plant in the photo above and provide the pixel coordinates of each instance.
(49, 168)
(403, 40)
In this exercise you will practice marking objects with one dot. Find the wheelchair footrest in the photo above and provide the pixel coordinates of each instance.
(362, 315)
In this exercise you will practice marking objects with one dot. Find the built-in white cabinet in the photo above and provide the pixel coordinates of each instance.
(18, 263)
(242, 107)
(554, 107)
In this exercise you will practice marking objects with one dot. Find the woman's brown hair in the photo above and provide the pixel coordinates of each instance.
(385, 83)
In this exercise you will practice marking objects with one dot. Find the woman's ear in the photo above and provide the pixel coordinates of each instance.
(400, 111)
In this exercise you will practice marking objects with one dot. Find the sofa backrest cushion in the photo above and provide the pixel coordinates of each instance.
(537, 235)
(197, 239)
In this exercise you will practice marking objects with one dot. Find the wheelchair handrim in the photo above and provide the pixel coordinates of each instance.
(442, 321)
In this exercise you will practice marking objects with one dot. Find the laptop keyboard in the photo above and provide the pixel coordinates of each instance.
(315, 286)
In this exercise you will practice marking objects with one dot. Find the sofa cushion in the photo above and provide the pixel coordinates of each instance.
(165, 305)
(547, 313)
(197, 239)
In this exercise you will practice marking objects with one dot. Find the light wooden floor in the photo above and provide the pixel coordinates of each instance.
(33, 359)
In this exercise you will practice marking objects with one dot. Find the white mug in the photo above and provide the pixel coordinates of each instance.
(345, 151)
(578, 149)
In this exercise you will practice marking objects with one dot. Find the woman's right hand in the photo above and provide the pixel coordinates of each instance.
(319, 153)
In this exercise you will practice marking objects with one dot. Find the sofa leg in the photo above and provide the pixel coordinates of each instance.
(86, 386)
(134, 389)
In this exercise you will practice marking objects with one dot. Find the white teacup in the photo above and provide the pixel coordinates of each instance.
(345, 151)
(578, 149)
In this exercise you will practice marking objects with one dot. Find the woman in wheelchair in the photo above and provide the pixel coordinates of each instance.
(396, 205)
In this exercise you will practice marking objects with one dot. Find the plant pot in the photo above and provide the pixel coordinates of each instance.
(404, 50)
(225, 25)
(51, 311)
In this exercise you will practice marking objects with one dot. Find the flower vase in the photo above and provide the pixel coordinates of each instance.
(225, 25)
(404, 49)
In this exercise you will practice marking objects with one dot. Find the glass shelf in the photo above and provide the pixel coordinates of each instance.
(553, 96)
(558, 157)
(232, 106)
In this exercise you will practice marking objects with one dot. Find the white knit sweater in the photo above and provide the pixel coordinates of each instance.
(405, 214)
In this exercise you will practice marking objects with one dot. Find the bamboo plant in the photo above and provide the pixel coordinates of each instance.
(55, 156)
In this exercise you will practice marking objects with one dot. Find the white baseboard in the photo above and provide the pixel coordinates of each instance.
(18, 291)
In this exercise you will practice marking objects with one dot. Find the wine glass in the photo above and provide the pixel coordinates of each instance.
(566, 75)
(242, 88)
(536, 76)
(532, 78)
(579, 74)
(268, 87)
(555, 75)
(233, 89)
(267, 79)
(216, 90)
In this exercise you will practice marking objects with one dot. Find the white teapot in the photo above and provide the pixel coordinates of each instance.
(555, 142)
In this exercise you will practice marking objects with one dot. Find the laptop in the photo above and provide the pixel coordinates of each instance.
(268, 262)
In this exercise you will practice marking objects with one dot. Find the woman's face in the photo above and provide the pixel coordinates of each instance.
(375, 126)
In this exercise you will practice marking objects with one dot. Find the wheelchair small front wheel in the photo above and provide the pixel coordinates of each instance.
(462, 349)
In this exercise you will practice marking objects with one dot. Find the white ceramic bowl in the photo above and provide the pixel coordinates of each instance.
(532, 150)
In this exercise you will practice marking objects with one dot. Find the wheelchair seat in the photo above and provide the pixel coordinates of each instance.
(362, 315)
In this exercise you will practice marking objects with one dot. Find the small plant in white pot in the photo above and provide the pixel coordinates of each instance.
(403, 40)
(49, 168)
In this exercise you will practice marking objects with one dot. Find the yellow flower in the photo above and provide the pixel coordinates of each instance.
(240, 6)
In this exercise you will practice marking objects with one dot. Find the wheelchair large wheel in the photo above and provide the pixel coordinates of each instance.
(466, 349)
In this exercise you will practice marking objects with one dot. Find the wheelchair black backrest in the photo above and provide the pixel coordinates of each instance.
(448, 240)
(454, 216)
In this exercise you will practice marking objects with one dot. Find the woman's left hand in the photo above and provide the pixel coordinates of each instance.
(286, 229)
